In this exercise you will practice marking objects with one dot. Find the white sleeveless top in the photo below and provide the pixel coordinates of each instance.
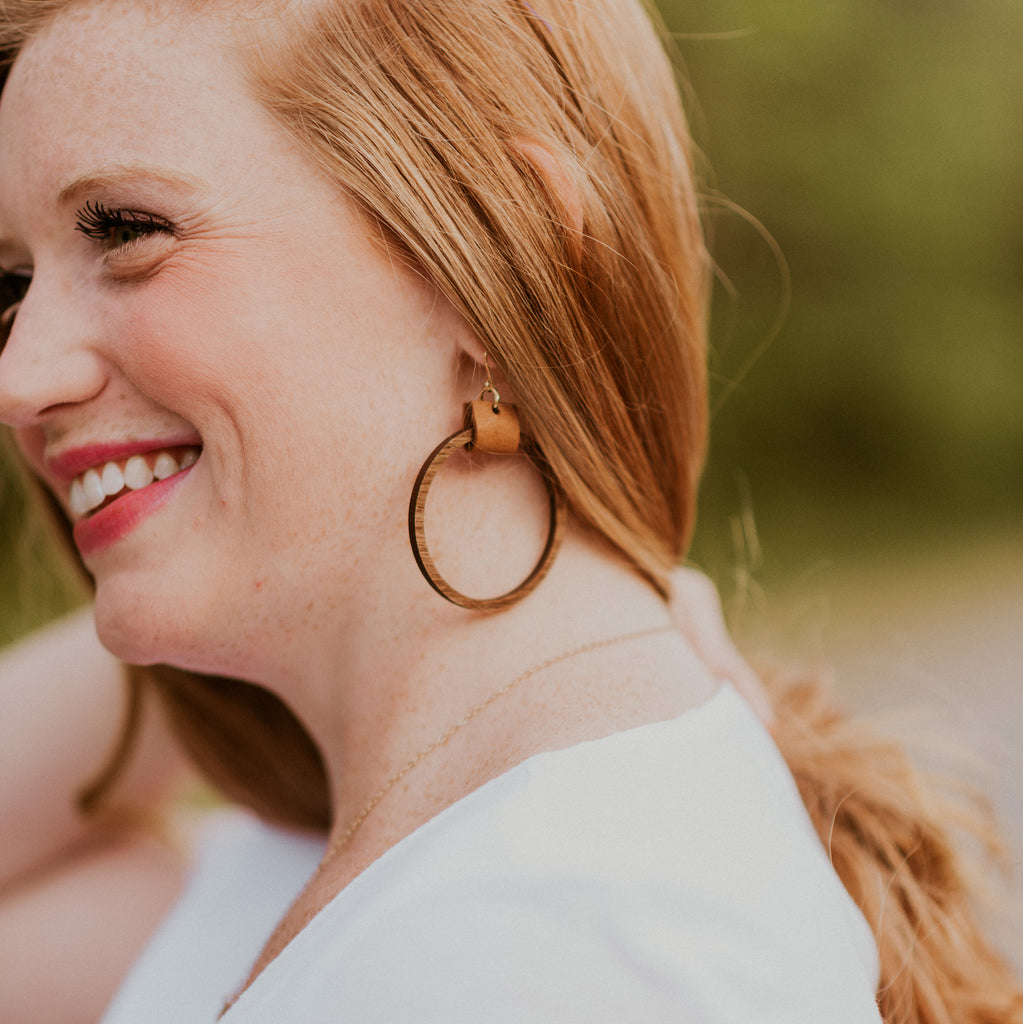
(665, 873)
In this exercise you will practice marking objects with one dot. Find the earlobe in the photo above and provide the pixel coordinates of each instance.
(476, 366)
(558, 180)
(471, 348)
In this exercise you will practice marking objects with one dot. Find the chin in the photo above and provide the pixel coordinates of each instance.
(143, 627)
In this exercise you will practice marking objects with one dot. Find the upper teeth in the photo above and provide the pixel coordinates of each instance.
(94, 486)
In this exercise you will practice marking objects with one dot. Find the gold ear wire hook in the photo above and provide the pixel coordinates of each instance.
(488, 384)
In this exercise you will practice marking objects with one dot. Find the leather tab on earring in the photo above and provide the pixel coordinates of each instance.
(495, 427)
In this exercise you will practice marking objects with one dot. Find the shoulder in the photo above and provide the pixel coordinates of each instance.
(664, 870)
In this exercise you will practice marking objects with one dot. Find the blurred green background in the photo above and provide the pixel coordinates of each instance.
(878, 143)
(27, 540)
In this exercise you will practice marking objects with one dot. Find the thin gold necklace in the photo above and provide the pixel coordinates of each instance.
(342, 840)
(594, 645)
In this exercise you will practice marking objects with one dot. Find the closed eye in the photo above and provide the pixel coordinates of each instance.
(117, 228)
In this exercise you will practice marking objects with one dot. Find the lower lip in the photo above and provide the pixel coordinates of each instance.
(120, 517)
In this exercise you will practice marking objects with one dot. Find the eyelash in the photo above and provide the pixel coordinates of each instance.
(95, 221)
(98, 222)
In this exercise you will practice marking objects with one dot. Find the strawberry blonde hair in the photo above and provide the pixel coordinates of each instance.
(590, 292)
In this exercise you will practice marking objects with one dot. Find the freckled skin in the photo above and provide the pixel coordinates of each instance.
(271, 326)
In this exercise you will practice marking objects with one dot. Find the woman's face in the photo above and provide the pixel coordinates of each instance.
(207, 312)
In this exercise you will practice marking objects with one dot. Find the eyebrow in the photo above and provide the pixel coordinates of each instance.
(121, 174)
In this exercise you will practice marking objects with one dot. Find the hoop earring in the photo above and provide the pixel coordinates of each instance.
(492, 428)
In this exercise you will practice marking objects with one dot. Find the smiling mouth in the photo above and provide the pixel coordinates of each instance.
(98, 487)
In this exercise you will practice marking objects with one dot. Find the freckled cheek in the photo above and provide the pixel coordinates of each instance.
(180, 326)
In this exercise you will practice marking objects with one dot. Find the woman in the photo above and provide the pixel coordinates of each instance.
(259, 255)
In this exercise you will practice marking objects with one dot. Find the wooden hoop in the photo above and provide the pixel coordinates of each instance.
(417, 528)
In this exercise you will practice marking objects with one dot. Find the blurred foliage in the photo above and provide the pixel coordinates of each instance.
(878, 142)
(27, 540)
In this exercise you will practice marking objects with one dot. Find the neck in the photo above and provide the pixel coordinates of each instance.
(413, 669)
(464, 697)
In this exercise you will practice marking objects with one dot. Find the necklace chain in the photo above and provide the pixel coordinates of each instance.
(342, 841)
(594, 645)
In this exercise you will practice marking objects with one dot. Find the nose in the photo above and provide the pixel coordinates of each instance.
(46, 361)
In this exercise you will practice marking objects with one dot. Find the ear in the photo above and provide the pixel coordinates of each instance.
(558, 181)
(470, 348)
